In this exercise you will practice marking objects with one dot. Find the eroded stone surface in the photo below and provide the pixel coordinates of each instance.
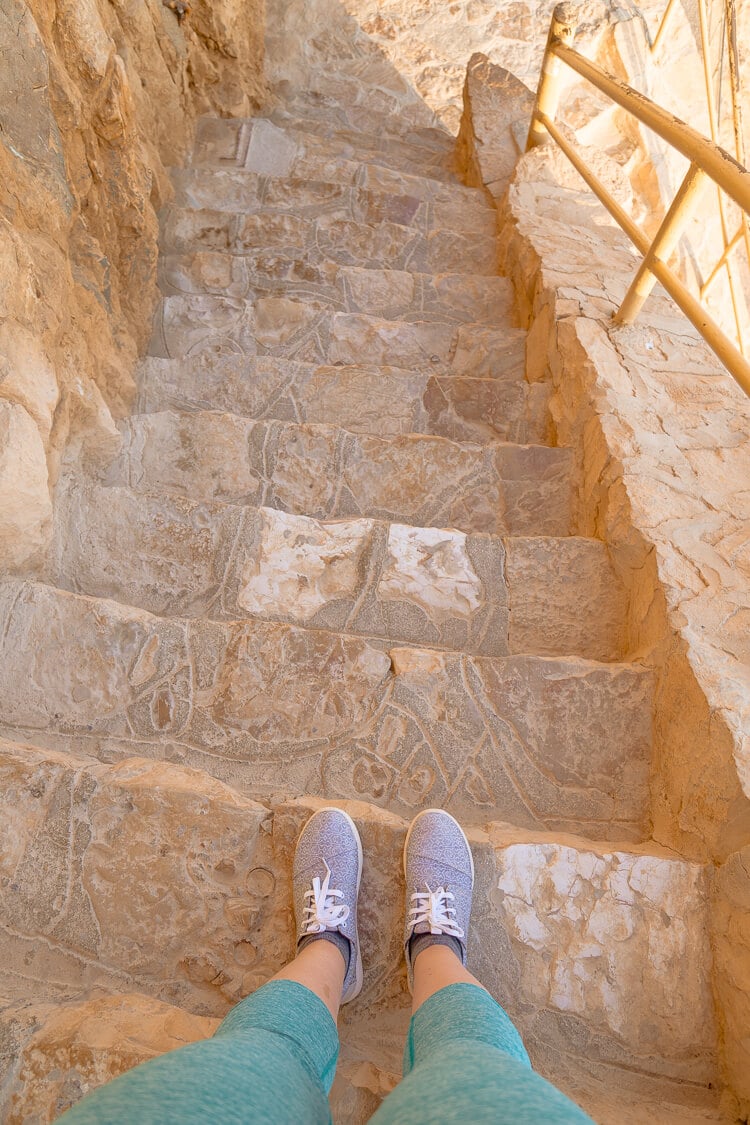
(97, 102)
(230, 927)
(173, 556)
(284, 237)
(282, 148)
(310, 332)
(329, 473)
(561, 743)
(659, 434)
(397, 294)
(385, 401)
(63, 1052)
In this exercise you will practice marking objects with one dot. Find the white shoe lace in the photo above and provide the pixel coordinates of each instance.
(322, 912)
(434, 908)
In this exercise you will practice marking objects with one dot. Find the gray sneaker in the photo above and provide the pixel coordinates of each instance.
(326, 875)
(439, 871)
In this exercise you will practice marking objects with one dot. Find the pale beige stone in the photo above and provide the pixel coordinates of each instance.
(97, 103)
(25, 503)
(302, 565)
(623, 942)
(65, 1052)
(432, 568)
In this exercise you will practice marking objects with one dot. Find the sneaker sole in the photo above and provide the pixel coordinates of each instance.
(424, 812)
(356, 987)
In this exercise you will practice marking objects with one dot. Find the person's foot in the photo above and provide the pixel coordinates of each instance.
(326, 875)
(439, 871)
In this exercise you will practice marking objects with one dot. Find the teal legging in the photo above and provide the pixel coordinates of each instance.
(272, 1062)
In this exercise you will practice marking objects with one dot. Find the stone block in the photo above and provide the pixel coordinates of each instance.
(329, 473)
(25, 503)
(494, 101)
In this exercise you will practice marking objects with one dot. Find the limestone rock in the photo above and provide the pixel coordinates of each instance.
(95, 101)
(63, 1052)
(495, 104)
(25, 504)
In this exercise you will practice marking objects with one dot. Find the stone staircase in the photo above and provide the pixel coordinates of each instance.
(336, 559)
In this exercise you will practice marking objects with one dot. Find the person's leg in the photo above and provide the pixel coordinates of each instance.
(464, 1059)
(272, 1060)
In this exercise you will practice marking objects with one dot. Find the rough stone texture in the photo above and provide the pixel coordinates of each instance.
(660, 435)
(406, 584)
(388, 401)
(229, 928)
(62, 1052)
(95, 98)
(540, 742)
(287, 551)
(495, 120)
(405, 54)
(25, 504)
(328, 473)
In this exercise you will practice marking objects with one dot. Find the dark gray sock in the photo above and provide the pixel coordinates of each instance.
(424, 941)
(342, 943)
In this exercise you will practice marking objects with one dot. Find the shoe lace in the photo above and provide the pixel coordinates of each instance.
(434, 908)
(322, 912)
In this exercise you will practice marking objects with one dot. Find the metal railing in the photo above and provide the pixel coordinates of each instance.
(729, 45)
(708, 162)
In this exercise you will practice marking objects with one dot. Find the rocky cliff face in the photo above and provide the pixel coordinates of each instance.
(96, 98)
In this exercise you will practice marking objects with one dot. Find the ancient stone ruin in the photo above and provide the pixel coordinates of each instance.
(325, 477)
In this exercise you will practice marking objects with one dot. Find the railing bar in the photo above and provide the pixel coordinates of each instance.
(664, 243)
(720, 165)
(705, 56)
(716, 339)
(735, 308)
(730, 246)
(734, 79)
(634, 233)
(662, 25)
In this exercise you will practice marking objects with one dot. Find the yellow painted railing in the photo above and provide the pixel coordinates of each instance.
(708, 162)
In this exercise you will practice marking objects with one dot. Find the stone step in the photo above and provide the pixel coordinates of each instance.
(260, 145)
(369, 132)
(59, 1051)
(387, 401)
(282, 236)
(322, 115)
(329, 473)
(409, 585)
(235, 190)
(370, 90)
(554, 744)
(391, 293)
(630, 1017)
(430, 151)
(309, 332)
(273, 153)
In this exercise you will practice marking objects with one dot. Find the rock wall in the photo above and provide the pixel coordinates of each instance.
(97, 98)
(660, 434)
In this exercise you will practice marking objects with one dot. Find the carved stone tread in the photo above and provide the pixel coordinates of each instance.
(428, 151)
(281, 235)
(419, 586)
(320, 115)
(390, 294)
(260, 145)
(556, 743)
(329, 473)
(387, 401)
(612, 1021)
(236, 190)
(268, 151)
(309, 332)
(357, 83)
